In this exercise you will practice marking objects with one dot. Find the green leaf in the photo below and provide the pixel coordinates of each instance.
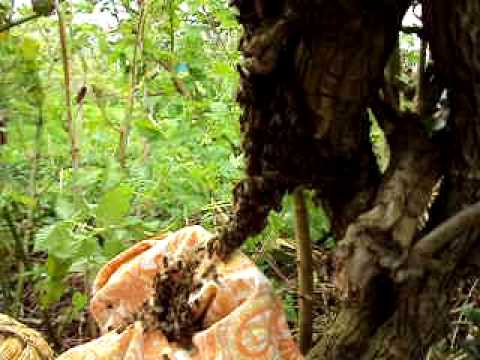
(88, 247)
(64, 208)
(114, 245)
(221, 68)
(30, 48)
(113, 175)
(149, 129)
(79, 301)
(23, 199)
(114, 205)
(472, 313)
(86, 177)
(290, 310)
(57, 268)
(57, 240)
(50, 292)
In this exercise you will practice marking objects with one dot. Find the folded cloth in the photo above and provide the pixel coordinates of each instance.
(17, 341)
(241, 316)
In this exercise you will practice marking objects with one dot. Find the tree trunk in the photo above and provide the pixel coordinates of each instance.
(392, 72)
(305, 86)
(410, 327)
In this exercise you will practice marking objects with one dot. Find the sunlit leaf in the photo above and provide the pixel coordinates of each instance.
(79, 301)
(64, 208)
(30, 48)
(114, 205)
(472, 314)
(56, 239)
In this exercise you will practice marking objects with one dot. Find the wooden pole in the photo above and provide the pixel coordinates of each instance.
(305, 271)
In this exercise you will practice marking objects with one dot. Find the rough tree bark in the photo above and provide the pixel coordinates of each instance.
(412, 295)
(311, 70)
(305, 87)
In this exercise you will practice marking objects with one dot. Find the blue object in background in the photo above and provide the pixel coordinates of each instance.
(182, 67)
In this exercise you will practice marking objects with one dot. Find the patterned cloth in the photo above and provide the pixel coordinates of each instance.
(243, 319)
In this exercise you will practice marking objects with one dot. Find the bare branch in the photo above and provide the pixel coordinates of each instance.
(448, 230)
(67, 71)
(10, 25)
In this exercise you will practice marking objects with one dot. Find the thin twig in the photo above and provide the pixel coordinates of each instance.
(125, 129)
(460, 317)
(180, 86)
(273, 265)
(97, 97)
(67, 72)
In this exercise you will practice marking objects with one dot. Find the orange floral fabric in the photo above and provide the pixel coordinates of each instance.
(243, 319)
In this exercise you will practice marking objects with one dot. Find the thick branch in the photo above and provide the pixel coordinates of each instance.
(380, 237)
(379, 241)
(447, 231)
(8, 26)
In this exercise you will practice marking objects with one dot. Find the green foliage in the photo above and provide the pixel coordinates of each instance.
(409, 54)
(182, 154)
(56, 239)
(113, 206)
(472, 314)
(290, 304)
(379, 143)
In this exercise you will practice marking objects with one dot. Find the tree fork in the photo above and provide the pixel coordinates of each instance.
(375, 248)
